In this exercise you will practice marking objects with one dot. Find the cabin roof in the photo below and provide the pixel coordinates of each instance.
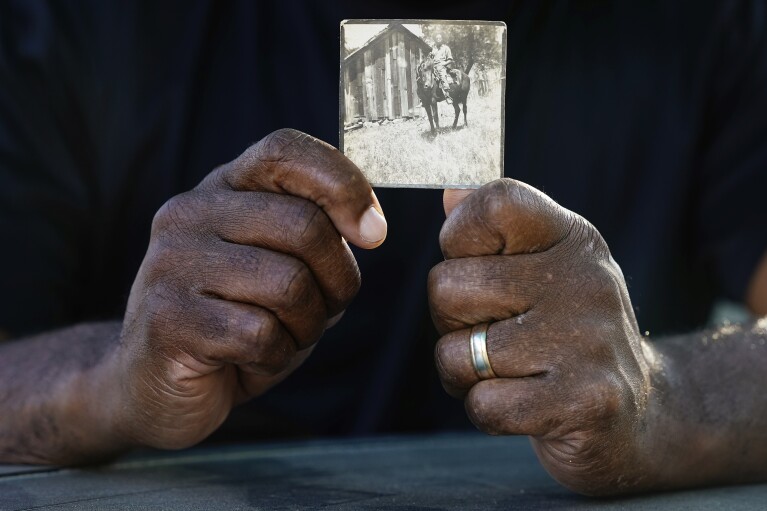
(390, 28)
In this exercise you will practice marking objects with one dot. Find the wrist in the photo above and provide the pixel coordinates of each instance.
(675, 450)
(91, 408)
(59, 397)
(655, 425)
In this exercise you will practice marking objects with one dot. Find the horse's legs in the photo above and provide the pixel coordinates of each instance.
(457, 108)
(465, 123)
(427, 107)
(436, 114)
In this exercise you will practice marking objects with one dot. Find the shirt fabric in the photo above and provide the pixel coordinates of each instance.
(441, 54)
(647, 118)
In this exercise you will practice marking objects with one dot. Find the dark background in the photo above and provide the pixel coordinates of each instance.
(648, 118)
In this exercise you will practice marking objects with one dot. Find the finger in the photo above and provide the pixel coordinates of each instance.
(291, 162)
(546, 404)
(334, 320)
(451, 198)
(473, 290)
(254, 383)
(514, 348)
(294, 226)
(219, 332)
(280, 283)
(518, 406)
(504, 217)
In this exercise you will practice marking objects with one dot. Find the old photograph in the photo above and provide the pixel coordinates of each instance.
(422, 101)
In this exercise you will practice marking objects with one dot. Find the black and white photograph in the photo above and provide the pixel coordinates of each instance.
(422, 101)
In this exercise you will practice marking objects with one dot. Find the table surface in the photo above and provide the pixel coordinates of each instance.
(444, 472)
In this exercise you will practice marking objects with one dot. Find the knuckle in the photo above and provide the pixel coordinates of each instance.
(453, 383)
(180, 217)
(500, 333)
(454, 297)
(168, 265)
(436, 284)
(313, 227)
(162, 315)
(436, 281)
(607, 293)
(294, 287)
(270, 351)
(597, 279)
(450, 357)
(500, 187)
(263, 329)
(352, 284)
(252, 341)
(345, 183)
(590, 340)
(507, 192)
(480, 410)
(171, 213)
(164, 255)
(316, 160)
(499, 194)
(585, 239)
(604, 397)
(443, 361)
(443, 322)
(280, 145)
(347, 281)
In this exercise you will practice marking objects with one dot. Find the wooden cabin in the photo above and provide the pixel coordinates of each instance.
(380, 76)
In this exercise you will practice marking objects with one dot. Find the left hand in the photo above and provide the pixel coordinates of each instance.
(572, 370)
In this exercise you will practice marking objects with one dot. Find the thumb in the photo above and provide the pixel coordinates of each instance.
(452, 198)
(290, 162)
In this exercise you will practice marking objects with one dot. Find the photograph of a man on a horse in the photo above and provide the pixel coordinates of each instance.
(438, 80)
(398, 81)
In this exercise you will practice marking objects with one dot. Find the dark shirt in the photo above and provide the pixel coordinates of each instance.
(647, 118)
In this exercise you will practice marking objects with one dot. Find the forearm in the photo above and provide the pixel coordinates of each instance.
(707, 413)
(55, 396)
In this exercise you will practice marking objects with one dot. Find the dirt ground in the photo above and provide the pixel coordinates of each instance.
(405, 152)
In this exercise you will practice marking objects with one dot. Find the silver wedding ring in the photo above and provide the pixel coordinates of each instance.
(479, 352)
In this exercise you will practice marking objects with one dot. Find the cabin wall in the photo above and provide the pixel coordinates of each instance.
(380, 80)
(354, 96)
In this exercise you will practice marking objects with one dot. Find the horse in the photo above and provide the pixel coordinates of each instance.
(430, 92)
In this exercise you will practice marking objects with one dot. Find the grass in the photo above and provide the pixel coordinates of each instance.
(406, 153)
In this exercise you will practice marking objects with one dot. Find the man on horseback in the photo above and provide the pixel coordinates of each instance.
(442, 58)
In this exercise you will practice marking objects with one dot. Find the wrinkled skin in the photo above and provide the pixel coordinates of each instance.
(242, 276)
(562, 340)
(244, 273)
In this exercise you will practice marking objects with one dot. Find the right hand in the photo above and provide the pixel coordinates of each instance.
(242, 276)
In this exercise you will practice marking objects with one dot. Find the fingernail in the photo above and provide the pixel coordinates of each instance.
(372, 226)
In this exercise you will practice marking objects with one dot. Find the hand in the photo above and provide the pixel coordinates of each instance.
(242, 276)
(563, 340)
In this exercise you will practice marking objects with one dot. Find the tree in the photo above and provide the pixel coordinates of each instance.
(470, 44)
